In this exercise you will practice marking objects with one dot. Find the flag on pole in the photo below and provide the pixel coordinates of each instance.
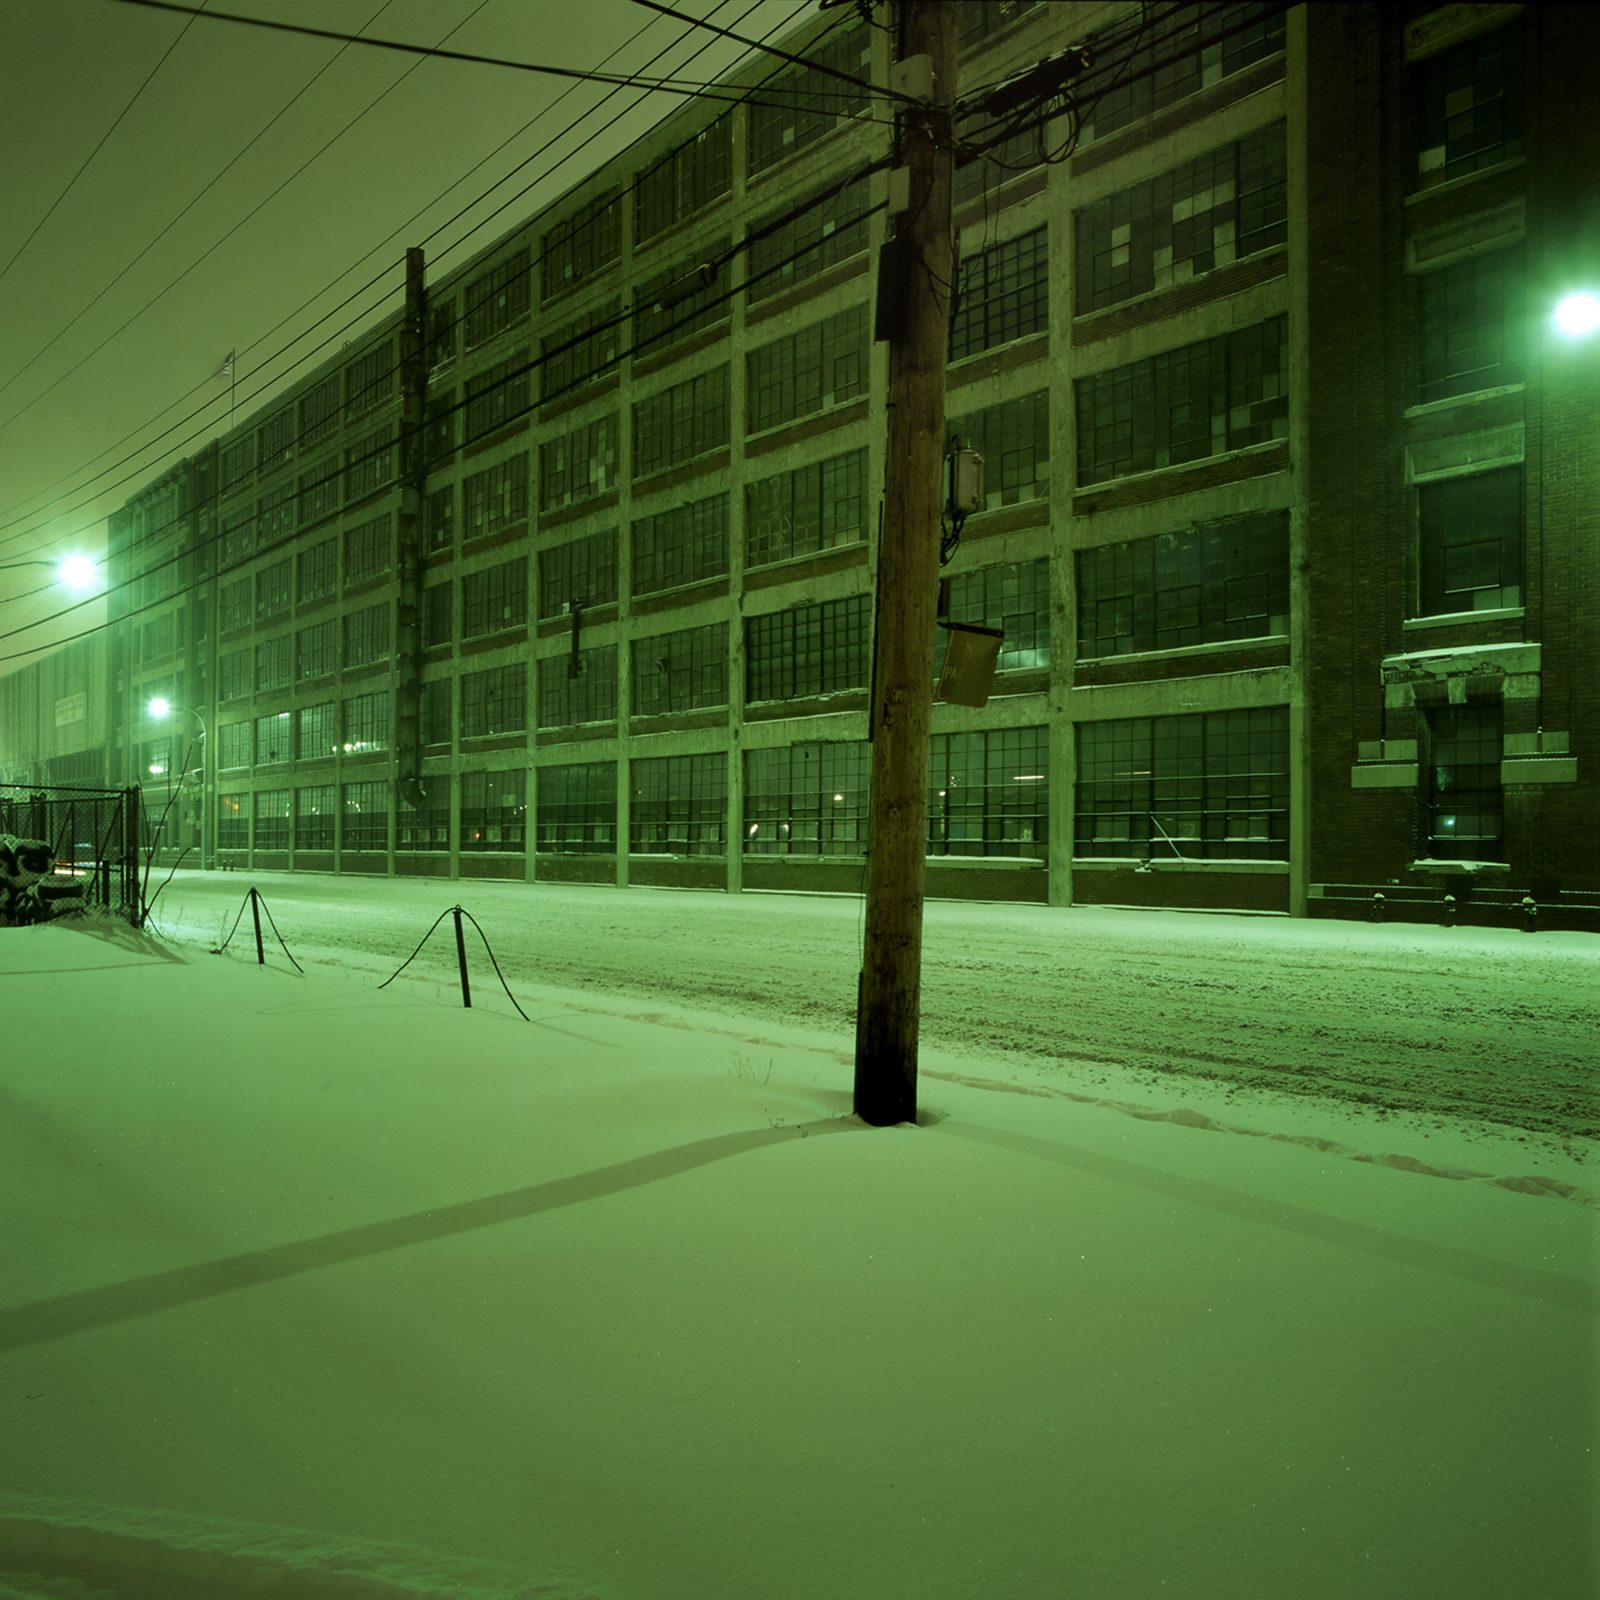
(226, 369)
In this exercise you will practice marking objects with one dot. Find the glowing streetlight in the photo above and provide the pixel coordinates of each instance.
(78, 573)
(1577, 315)
(160, 708)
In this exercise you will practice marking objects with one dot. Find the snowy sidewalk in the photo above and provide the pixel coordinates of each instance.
(315, 1290)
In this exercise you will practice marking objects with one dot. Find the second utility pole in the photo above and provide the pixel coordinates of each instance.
(915, 281)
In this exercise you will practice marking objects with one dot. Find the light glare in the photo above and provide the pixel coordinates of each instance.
(1578, 314)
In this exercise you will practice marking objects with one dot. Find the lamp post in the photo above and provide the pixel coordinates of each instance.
(161, 708)
(78, 573)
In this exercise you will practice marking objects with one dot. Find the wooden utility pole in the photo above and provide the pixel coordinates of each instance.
(916, 282)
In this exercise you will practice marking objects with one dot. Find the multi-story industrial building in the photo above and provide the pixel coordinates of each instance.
(1288, 517)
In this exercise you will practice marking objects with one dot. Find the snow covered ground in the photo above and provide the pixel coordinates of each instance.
(315, 1289)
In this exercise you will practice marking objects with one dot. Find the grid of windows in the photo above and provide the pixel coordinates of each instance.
(1010, 157)
(1202, 585)
(317, 570)
(319, 412)
(1014, 597)
(366, 722)
(317, 733)
(319, 492)
(1188, 49)
(272, 739)
(496, 300)
(1014, 440)
(437, 711)
(1216, 209)
(581, 350)
(275, 440)
(275, 514)
(682, 671)
(156, 641)
(579, 465)
(583, 573)
(275, 663)
(977, 19)
(366, 635)
(233, 745)
(679, 805)
(685, 180)
(369, 465)
(442, 323)
(494, 701)
(807, 800)
(989, 793)
(234, 604)
(802, 104)
(426, 827)
(815, 507)
(831, 230)
(1003, 294)
(369, 380)
(494, 599)
(495, 499)
(494, 810)
(233, 675)
(684, 299)
(439, 519)
(1469, 326)
(237, 537)
(439, 429)
(497, 395)
(237, 464)
(577, 809)
(313, 817)
(585, 244)
(274, 589)
(272, 819)
(809, 650)
(1185, 404)
(589, 694)
(820, 366)
(1471, 542)
(1213, 786)
(1470, 106)
(233, 822)
(369, 549)
(681, 423)
(1465, 801)
(437, 614)
(687, 544)
(366, 816)
(317, 649)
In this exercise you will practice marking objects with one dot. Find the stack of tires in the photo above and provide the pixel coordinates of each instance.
(29, 890)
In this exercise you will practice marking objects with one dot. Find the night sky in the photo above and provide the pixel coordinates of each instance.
(68, 68)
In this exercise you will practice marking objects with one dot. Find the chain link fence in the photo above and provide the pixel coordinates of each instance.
(93, 839)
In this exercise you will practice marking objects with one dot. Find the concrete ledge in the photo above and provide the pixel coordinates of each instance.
(1539, 769)
(1385, 775)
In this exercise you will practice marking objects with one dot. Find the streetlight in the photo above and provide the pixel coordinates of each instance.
(79, 573)
(161, 708)
(1577, 315)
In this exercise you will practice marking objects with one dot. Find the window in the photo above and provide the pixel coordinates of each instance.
(272, 819)
(589, 694)
(319, 492)
(369, 465)
(366, 816)
(833, 228)
(442, 322)
(274, 589)
(809, 650)
(679, 805)
(989, 793)
(156, 639)
(369, 549)
(583, 572)
(233, 604)
(681, 671)
(437, 615)
(272, 739)
(683, 299)
(807, 799)
(684, 545)
(275, 440)
(317, 650)
(275, 514)
(439, 429)
(426, 827)
(1471, 542)
(494, 810)
(237, 464)
(313, 817)
(275, 663)
(494, 701)
(237, 530)
(233, 675)
(1202, 585)
(800, 105)
(1469, 106)
(497, 299)
(1465, 747)
(582, 350)
(816, 507)
(1469, 326)
(233, 822)
(1003, 295)
(1000, 162)
(1178, 58)
(577, 809)
(366, 635)
(1184, 405)
(437, 708)
(977, 19)
(366, 723)
(685, 180)
(233, 745)
(498, 395)
(317, 570)
(317, 734)
(496, 499)
(369, 380)
(494, 599)
(680, 423)
(820, 366)
(579, 465)
(1015, 598)
(1014, 440)
(1217, 209)
(439, 519)
(1213, 786)
(582, 246)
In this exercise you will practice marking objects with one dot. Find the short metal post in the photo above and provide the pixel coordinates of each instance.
(461, 960)
(1449, 911)
(1530, 913)
(255, 914)
(1377, 906)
